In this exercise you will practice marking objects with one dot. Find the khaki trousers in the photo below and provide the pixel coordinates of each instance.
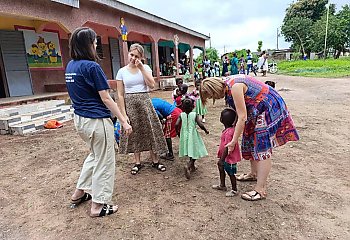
(98, 172)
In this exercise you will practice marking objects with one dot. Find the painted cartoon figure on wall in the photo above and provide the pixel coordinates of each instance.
(34, 51)
(43, 48)
(52, 52)
(123, 30)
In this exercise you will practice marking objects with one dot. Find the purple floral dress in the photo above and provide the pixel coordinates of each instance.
(269, 123)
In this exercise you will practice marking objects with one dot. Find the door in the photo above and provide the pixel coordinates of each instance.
(115, 55)
(16, 78)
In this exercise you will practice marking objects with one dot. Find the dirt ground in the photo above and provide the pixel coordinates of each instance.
(308, 191)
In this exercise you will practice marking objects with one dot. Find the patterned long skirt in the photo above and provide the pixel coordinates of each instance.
(273, 127)
(147, 130)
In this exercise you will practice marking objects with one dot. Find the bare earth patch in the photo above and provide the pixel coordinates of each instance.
(308, 194)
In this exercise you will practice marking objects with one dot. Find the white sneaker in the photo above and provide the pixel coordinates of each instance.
(203, 120)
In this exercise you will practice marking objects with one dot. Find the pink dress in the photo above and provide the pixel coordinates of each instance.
(226, 137)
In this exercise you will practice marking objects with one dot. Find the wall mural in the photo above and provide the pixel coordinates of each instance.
(43, 49)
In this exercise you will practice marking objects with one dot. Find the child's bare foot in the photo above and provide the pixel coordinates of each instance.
(193, 169)
(219, 187)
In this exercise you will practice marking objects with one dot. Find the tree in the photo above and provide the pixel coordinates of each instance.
(260, 43)
(298, 30)
(338, 37)
(310, 9)
(211, 53)
(344, 20)
(302, 24)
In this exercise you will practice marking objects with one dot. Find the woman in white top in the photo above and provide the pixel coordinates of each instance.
(133, 83)
(263, 64)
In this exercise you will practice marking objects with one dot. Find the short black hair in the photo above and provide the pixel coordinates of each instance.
(271, 83)
(187, 104)
(228, 116)
(183, 88)
(81, 44)
(177, 80)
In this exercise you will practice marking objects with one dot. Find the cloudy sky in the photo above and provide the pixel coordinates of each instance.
(232, 24)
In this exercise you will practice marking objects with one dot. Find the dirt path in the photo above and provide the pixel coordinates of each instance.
(308, 195)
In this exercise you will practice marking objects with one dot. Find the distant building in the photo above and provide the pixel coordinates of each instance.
(281, 54)
(34, 40)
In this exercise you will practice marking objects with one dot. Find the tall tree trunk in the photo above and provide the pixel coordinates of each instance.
(301, 42)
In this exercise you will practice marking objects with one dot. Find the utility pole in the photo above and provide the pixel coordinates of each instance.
(209, 41)
(325, 38)
(277, 36)
(224, 49)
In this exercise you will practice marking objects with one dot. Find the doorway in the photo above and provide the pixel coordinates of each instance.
(15, 78)
(3, 83)
(115, 56)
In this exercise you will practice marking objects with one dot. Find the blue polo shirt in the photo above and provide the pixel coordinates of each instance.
(84, 79)
(163, 107)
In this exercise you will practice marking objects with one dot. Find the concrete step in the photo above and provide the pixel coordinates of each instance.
(7, 122)
(31, 107)
(38, 124)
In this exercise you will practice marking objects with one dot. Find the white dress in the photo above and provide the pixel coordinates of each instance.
(265, 65)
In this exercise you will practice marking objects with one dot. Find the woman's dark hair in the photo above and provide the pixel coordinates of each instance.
(228, 117)
(81, 44)
(187, 104)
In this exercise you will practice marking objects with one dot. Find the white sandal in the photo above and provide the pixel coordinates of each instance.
(231, 193)
(252, 196)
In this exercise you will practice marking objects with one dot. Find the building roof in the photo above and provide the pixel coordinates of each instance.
(148, 16)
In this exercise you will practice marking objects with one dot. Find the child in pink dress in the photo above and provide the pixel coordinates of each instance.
(228, 161)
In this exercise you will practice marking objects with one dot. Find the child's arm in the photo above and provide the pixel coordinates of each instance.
(200, 124)
(177, 126)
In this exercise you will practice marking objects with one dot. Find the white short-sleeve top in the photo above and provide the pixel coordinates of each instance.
(133, 83)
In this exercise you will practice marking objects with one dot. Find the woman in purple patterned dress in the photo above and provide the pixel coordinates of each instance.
(263, 121)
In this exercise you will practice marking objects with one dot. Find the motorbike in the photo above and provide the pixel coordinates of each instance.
(272, 67)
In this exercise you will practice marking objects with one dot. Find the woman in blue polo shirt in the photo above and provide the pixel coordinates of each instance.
(93, 107)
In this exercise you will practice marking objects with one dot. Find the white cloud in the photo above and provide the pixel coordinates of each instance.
(231, 24)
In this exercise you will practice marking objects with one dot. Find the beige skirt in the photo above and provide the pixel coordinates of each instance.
(147, 130)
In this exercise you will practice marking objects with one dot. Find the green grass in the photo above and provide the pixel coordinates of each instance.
(316, 68)
(45, 65)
